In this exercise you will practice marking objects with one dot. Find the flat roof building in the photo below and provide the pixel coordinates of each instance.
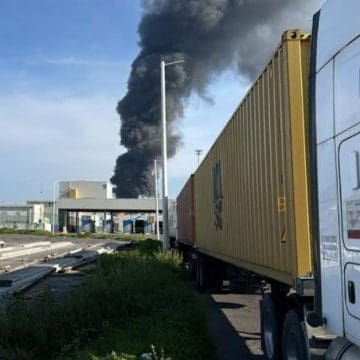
(90, 206)
(22, 216)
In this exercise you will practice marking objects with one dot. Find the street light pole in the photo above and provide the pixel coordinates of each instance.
(165, 227)
(198, 153)
(156, 202)
(165, 210)
(53, 208)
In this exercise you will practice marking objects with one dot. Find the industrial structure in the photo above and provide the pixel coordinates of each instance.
(85, 206)
(89, 206)
(23, 216)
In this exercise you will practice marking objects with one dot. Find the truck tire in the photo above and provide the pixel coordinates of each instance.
(294, 343)
(192, 265)
(201, 273)
(271, 326)
(209, 273)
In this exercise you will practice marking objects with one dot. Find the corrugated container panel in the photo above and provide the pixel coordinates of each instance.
(254, 180)
(185, 214)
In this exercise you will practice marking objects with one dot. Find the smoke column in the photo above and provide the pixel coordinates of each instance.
(211, 36)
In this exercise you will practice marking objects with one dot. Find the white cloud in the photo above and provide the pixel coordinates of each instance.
(43, 139)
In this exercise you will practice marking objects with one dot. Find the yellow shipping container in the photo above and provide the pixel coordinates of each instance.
(255, 177)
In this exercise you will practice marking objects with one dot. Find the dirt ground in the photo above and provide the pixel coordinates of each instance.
(58, 285)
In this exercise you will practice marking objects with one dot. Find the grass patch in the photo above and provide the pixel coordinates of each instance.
(132, 301)
(149, 247)
(14, 231)
(118, 237)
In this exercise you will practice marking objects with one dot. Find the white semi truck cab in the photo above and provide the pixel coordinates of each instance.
(335, 123)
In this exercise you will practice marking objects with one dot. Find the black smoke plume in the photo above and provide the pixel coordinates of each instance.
(211, 36)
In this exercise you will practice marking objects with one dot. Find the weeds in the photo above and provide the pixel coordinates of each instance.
(132, 301)
(14, 231)
(118, 237)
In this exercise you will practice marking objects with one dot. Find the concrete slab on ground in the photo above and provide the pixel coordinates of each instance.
(25, 250)
(25, 277)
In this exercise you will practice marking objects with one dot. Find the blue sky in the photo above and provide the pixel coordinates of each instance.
(64, 64)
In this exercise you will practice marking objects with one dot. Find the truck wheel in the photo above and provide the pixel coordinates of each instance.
(294, 344)
(271, 321)
(209, 274)
(192, 265)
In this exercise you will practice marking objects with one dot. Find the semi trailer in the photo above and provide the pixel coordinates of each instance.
(278, 194)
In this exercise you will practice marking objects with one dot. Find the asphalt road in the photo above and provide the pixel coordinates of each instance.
(234, 325)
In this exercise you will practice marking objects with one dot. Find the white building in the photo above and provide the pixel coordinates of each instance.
(85, 189)
(23, 216)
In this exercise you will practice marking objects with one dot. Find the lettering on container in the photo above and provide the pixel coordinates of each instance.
(217, 195)
(329, 248)
(281, 204)
(353, 219)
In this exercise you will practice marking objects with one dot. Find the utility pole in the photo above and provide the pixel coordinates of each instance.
(165, 210)
(42, 208)
(53, 208)
(156, 202)
(165, 226)
(198, 153)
